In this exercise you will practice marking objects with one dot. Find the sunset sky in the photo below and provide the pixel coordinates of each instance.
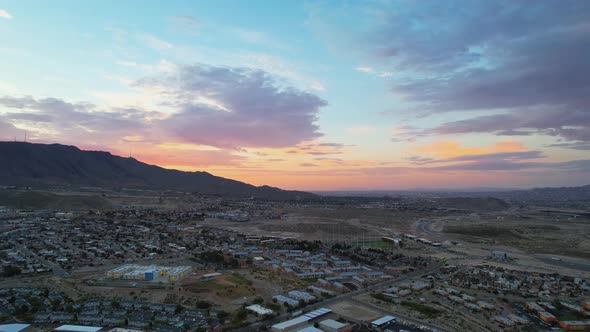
(310, 95)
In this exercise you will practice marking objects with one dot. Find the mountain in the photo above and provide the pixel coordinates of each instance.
(56, 165)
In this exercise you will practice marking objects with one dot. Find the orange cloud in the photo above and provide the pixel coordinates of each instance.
(450, 149)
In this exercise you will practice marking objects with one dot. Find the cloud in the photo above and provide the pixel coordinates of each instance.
(572, 125)
(258, 38)
(364, 69)
(525, 65)
(235, 107)
(575, 146)
(418, 160)
(9, 132)
(308, 165)
(190, 158)
(274, 65)
(448, 149)
(65, 114)
(5, 14)
(186, 23)
(155, 42)
(510, 161)
(53, 119)
(503, 155)
(332, 145)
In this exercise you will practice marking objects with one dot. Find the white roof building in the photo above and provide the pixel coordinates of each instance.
(382, 321)
(260, 310)
(13, 327)
(78, 328)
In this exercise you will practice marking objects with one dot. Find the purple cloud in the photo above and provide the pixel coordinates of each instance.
(571, 125)
(64, 115)
(236, 107)
(9, 132)
(527, 62)
(483, 162)
(576, 146)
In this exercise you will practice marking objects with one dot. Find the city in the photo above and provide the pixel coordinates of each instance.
(196, 269)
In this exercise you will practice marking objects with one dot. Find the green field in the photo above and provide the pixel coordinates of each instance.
(238, 279)
(373, 244)
(422, 308)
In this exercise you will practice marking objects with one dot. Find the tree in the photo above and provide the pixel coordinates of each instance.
(241, 314)
(222, 315)
(10, 271)
(202, 304)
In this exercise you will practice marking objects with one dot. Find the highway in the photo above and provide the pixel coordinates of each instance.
(349, 296)
(424, 227)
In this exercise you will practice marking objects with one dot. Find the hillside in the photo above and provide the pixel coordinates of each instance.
(473, 203)
(55, 165)
(48, 201)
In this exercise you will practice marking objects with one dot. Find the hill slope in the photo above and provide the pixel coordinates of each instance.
(27, 164)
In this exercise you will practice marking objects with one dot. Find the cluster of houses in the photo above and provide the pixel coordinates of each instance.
(54, 308)
(468, 301)
(405, 288)
(545, 310)
(522, 283)
(93, 240)
(334, 273)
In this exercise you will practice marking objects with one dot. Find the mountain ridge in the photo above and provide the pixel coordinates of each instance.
(34, 164)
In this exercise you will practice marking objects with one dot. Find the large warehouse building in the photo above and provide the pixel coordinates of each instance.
(149, 272)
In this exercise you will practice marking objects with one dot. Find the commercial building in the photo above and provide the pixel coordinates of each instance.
(504, 321)
(78, 328)
(310, 329)
(574, 308)
(283, 299)
(259, 310)
(518, 319)
(383, 321)
(149, 272)
(302, 296)
(547, 317)
(330, 325)
(296, 323)
(14, 327)
(575, 325)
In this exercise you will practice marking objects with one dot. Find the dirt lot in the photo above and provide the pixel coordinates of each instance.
(566, 237)
(354, 311)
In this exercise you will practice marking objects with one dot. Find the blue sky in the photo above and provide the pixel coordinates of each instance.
(309, 95)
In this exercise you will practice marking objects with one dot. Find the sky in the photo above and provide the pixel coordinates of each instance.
(309, 95)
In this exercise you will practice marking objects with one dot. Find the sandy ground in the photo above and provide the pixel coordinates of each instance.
(354, 310)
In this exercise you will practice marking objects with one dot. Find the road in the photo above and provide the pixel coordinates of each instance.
(423, 226)
(398, 315)
(56, 268)
(349, 296)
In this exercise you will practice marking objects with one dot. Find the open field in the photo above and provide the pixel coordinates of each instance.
(534, 235)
